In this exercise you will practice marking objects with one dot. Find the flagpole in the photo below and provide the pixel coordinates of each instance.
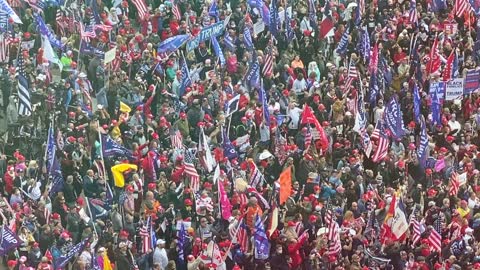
(91, 216)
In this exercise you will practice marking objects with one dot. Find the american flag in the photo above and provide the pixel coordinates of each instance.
(4, 48)
(87, 32)
(454, 184)
(100, 168)
(141, 7)
(462, 6)
(268, 64)
(382, 146)
(145, 233)
(352, 75)
(376, 132)
(416, 227)
(59, 20)
(102, 27)
(308, 138)
(176, 11)
(261, 200)
(176, 138)
(280, 143)
(116, 64)
(243, 199)
(413, 14)
(24, 105)
(46, 215)
(242, 237)
(435, 240)
(191, 172)
(256, 177)
(335, 246)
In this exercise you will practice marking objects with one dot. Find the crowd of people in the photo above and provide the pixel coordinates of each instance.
(272, 134)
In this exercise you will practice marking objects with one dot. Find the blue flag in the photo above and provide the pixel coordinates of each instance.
(96, 16)
(3, 22)
(87, 48)
(253, 73)
(455, 67)
(423, 145)
(228, 148)
(218, 51)
(438, 5)
(172, 44)
(274, 19)
(182, 242)
(416, 103)
(374, 90)
(262, 245)
(343, 44)
(312, 15)
(61, 261)
(213, 10)
(56, 177)
(364, 45)
(393, 118)
(113, 149)
(264, 11)
(288, 27)
(43, 29)
(231, 105)
(247, 38)
(358, 15)
(9, 240)
(472, 81)
(51, 148)
(186, 80)
(262, 96)
(97, 209)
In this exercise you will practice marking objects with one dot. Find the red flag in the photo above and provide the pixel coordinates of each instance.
(325, 26)
(309, 118)
(434, 62)
(447, 73)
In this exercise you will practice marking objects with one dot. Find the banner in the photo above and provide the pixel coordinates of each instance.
(258, 28)
(3, 22)
(472, 82)
(437, 90)
(88, 49)
(9, 241)
(44, 30)
(454, 89)
(206, 34)
(61, 261)
(110, 55)
(171, 44)
(450, 29)
(394, 119)
(8, 9)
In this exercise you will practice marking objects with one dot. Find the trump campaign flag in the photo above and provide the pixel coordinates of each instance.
(262, 244)
(472, 81)
(9, 240)
(423, 144)
(61, 261)
(8, 9)
(394, 119)
(172, 44)
(416, 103)
(112, 149)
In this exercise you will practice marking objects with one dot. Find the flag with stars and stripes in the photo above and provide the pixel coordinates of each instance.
(352, 75)
(383, 143)
(256, 176)
(146, 236)
(417, 232)
(24, 102)
(435, 240)
(268, 64)
(462, 6)
(413, 14)
(176, 11)
(454, 184)
(142, 8)
(191, 172)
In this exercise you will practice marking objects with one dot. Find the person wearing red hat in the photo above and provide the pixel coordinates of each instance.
(182, 125)
(294, 246)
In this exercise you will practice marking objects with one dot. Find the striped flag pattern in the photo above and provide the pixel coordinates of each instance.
(308, 138)
(413, 14)
(87, 32)
(24, 105)
(382, 146)
(60, 23)
(376, 132)
(146, 236)
(416, 228)
(435, 240)
(176, 11)
(454, 184)
(141, 7)
(4, 48)
(462, 6)
(352, 75)
(191, 172)
(268, 64)
(335, 246)
(256, 177)
(176, 138)
(242, 236)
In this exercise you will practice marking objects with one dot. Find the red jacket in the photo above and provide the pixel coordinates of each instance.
(294, 252)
